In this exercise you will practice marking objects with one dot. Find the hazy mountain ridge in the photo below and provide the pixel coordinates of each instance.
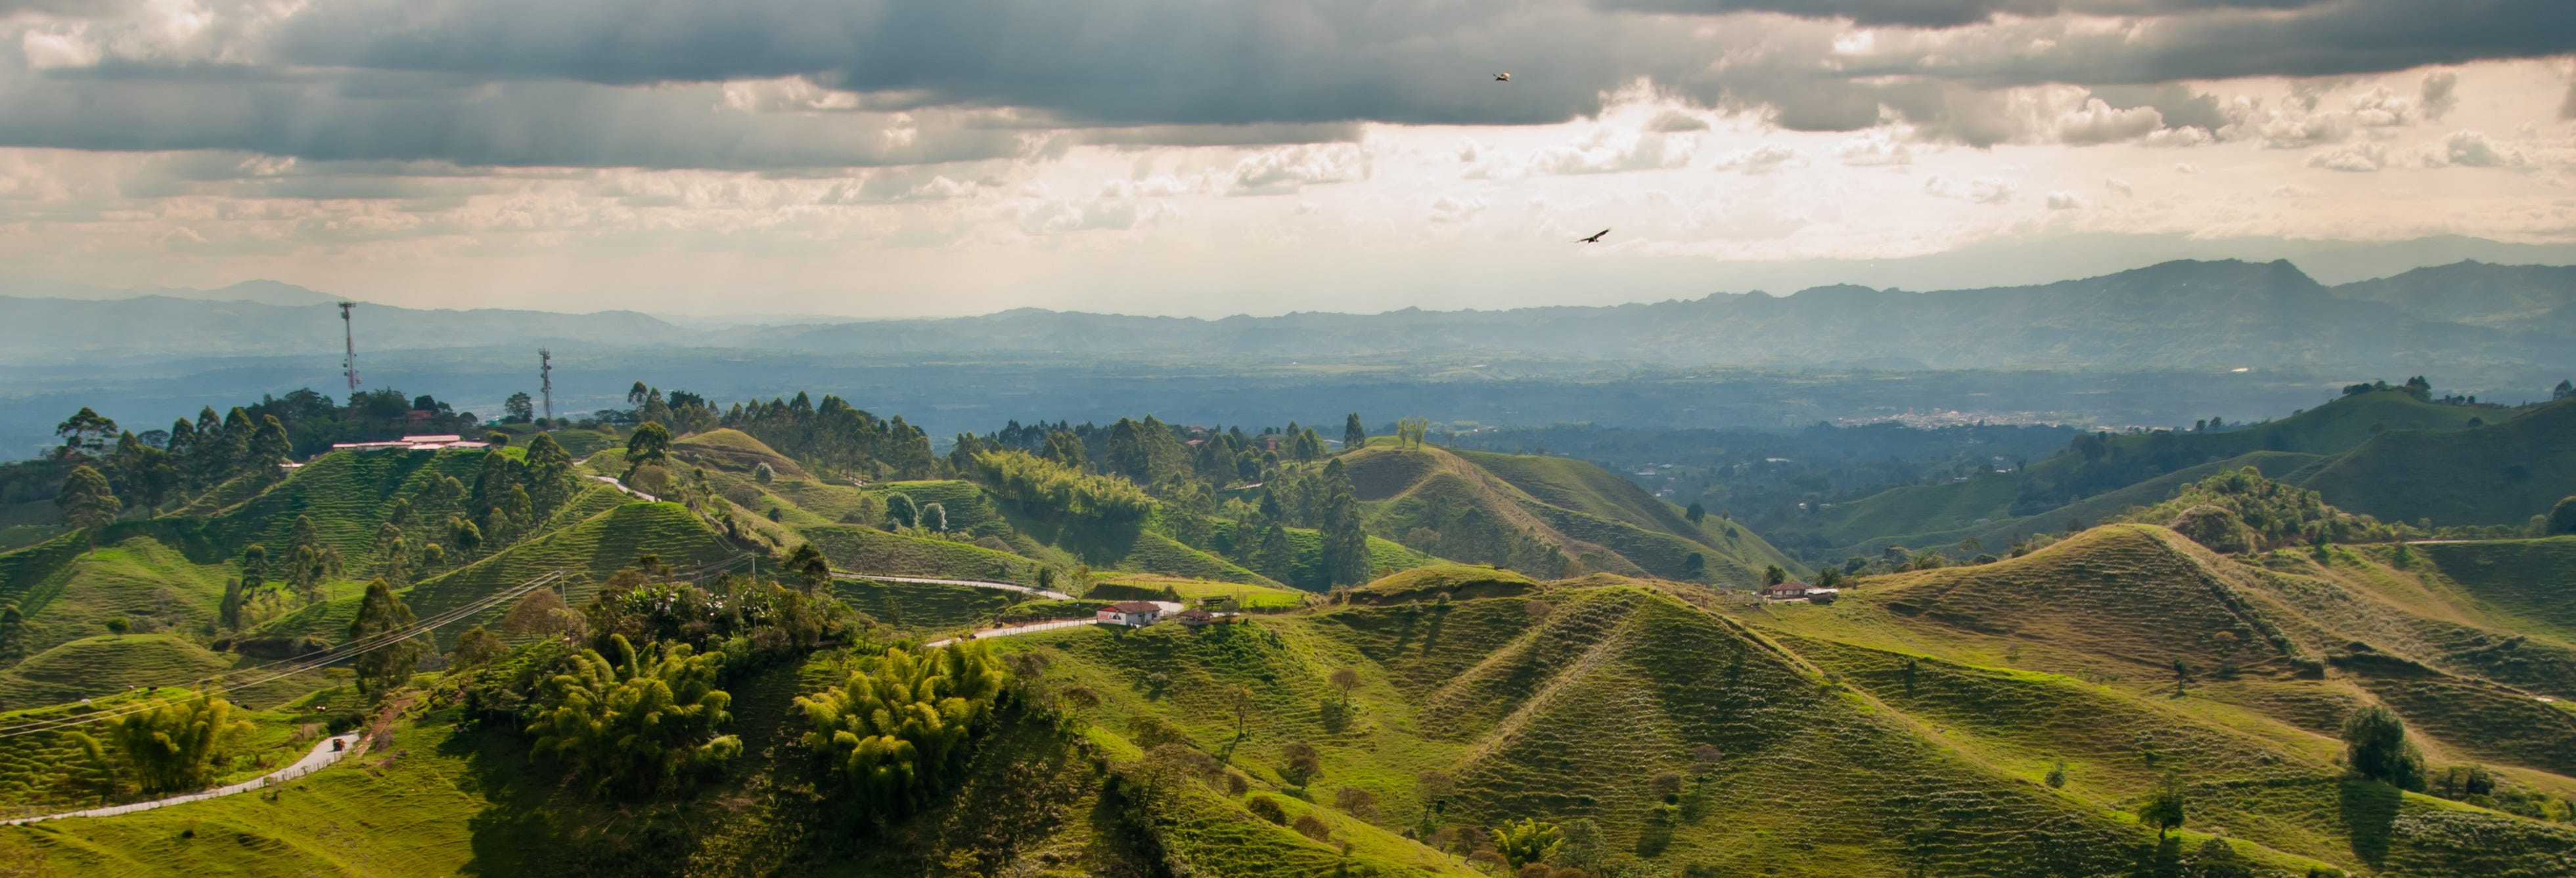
(2176, 314)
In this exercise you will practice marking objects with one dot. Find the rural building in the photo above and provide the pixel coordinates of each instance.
(1792, 590)
(1133, 614)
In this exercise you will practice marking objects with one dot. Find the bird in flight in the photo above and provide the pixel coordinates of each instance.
(1505, 76)
(1595, 239)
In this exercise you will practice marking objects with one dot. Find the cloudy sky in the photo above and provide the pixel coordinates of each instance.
(1206, 157)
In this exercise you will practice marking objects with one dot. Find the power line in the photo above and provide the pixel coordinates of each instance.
(284, 668)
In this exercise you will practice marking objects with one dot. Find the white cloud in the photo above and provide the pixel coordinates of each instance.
(2118, 185)
(2063, 200)
(2441, 94)
(2185, 136)
(1878, 147)
(2097, 122)
(1286, 170)
(2475, 150)
(1676, 122)
(1982, 190)
(2358, 157)
(1761, 159)
(1449, 209)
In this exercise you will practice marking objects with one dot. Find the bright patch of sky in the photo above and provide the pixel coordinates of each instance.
(906, 158)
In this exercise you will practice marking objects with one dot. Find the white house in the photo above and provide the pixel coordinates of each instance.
(1133, 614)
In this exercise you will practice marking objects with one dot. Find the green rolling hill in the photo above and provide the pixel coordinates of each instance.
(1537, 514)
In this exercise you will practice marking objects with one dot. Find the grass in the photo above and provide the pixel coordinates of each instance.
(2500, 473)
(1152, 587)
(2532, 582)
(1536, 513)
(863, 549)
(923, 607)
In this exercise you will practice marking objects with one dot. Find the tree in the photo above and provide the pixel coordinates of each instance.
(650, 444)
(1066, 450)
(1694, 566)
(933, 517)
(1409, 432)
(541, 614)
(2564, 390)
(900, 509)
(2164, 807)
(518, 409)
(380, 613)
(1276, 557)
(637, 726)
(268, 447)
(2375, 745)
(87, 501)
(1528, 841)
(477, 646)
(1347, 680)
(1239, 701)
(1301, 762)
(760, 472)
(1346, 550)
(1582, 847)
(230, 610)
(1773, 575)
(897, 730)
(1696, 513)
(809, 565)
(1353, 436)
(178, 746)
(2057, 775)
(84, 435)
(2562, 518)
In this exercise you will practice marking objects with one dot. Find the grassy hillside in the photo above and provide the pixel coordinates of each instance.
(869, 550)
(2530, 581)
(1536, 514)
(2069, 654)
(2101, 477)
(2500, 473)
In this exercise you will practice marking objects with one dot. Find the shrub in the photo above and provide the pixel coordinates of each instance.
(2214, 527)
(1310, 826)
(637, 726)
(1267, 808)
(178, 746)
(1038, 484)
(1528, 841)
(2375, 745)
(897, 729)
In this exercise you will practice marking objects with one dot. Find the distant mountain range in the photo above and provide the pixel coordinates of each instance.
(2226, 313)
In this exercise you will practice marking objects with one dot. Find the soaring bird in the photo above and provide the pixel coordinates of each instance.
(1595, 239)
(1505, 76)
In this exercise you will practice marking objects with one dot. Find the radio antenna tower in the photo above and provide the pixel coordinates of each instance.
(349, 360)
(546, 382)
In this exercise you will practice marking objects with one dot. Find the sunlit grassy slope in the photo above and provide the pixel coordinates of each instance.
(1531, 512)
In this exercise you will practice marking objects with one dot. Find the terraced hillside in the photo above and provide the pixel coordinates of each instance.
(2498, 473)
(2130, 652)
(2100, 477)
(1537, 514)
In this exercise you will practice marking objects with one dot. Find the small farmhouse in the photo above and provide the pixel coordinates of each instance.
(1792, 590)
(1133, 614)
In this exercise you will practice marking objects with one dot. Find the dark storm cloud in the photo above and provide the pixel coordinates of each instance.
(2345, 37)
(632, 82)
(546, 123)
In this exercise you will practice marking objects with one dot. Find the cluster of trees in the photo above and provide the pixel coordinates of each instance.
(646, 724)
(1037, 483)
(2241, 510)
(170, 748)
(900, 727)
(834, 437)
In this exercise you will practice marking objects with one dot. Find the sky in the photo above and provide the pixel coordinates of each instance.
(889, 158)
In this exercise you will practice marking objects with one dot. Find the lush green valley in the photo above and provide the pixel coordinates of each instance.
(743, 641)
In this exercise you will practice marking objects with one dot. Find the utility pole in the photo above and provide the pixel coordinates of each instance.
(546, 382)
(349, 336)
